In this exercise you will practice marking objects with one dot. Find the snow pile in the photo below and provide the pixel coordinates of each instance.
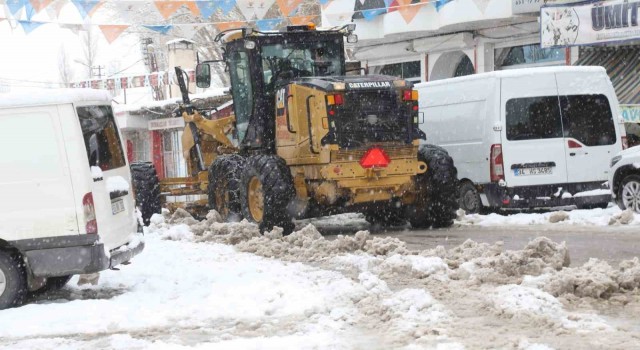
(96, 173)
(597, 217)
(536, 306)
(117, 184)
(595, 279)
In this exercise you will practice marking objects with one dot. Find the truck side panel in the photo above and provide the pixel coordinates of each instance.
(460, 117)
(35, 178)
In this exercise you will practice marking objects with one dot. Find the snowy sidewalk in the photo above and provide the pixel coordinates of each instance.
(225, 286)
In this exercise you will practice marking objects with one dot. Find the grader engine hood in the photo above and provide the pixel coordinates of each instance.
(364, 110)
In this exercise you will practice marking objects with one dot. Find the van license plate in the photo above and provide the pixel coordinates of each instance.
(533, 171)
(117, 206)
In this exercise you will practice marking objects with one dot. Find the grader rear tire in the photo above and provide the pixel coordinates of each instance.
(224, 186)
(147, 188)
(266, 190)
(437, 190)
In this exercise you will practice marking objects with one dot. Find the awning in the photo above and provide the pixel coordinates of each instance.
(622, 65)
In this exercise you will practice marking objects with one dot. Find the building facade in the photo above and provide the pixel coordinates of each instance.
(425, 41)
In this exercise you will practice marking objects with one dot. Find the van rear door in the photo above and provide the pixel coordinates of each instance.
(532, 143)
(588, 107)
(111, 186)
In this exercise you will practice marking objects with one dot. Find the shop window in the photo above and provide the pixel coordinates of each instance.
(404, 70)
(528, 55)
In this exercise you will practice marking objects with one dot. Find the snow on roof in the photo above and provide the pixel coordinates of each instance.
(511, 73)
(151, 104)
(39, 97)
(175, 41)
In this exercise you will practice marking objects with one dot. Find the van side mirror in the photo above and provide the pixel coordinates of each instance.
(203, 75)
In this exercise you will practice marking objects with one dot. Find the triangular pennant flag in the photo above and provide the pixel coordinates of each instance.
(222, 26)
(440, 3)
(337, 13)
(409, 9)
(392, 5)
(254, 9)
(39, 5)
(29, 26)
(268, 24)
(85, 6)
(159, 29)
(301, 20)
(288, 6)
(168, 8)
(207, 8)
(15, 5)
(53, 10)
(226, 5)
(29, 11)
(369, 9)
(113, 31)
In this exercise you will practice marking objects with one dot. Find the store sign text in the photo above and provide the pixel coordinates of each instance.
(630, 113)
(167, 123)
(589, 23)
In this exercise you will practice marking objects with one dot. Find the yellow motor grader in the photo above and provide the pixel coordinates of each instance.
(311, 140)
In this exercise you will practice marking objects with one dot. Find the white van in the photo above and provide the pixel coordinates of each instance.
(527, 138)
(66, 205)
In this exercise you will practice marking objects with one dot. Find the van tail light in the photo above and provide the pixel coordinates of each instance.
(496, 165)
(91, 225)
(574, 144)
(625, 143)
(375, 158)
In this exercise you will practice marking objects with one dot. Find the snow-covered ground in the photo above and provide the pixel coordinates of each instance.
(225, 286)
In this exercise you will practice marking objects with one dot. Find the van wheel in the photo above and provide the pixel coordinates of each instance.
(224, 186)
(147, 188)
(470, 198)
(53, 284)
(266, 190)
(629, 193)
(13, 280)
(437, 190)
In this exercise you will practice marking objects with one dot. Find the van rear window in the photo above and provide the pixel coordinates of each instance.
(101, 137)
(588, 119)
(533, 118)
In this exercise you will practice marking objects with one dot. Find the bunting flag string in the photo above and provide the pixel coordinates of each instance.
(250, 12)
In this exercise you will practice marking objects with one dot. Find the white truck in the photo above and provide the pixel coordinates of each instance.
(66, 203)
(527, 138)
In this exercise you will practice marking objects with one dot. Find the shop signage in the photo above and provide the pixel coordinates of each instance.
(589, 23)
(630, 113)
(533, 6)
(166, 123)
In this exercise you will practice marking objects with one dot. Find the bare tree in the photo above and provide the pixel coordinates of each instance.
(89, 43)
(64, 68)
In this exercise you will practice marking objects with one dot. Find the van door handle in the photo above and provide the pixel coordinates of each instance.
(572, 154)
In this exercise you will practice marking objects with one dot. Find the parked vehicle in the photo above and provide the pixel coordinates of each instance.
(67, 206)
(624, 179)
(526, 138)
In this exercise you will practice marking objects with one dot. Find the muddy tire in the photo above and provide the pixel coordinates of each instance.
(147, 188)
(224, 186)
(13, 280)
(469, 199)
(437, 200)
(266, 190)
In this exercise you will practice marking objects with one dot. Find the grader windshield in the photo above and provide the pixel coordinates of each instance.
(287, 60)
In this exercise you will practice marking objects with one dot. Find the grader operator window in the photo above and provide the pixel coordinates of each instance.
(283, 62)
(242, 90)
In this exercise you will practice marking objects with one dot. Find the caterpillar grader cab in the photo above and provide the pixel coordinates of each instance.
(312, 140)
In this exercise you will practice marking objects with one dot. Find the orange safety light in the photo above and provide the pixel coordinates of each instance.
(375, 157)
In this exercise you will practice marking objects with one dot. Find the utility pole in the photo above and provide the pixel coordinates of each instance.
(99, 68)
